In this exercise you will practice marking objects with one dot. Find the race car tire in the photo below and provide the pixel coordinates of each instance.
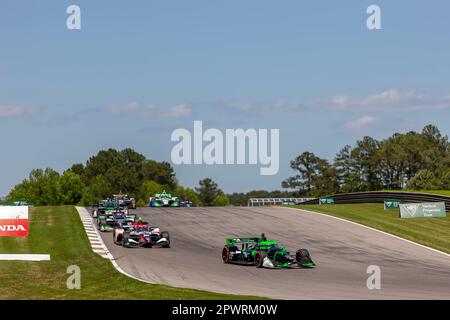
(259, 259)
(124, 240)
(225, 254)
(165, 234)
(302, 253)
(117, 239)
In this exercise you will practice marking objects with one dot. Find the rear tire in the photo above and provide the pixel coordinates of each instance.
(165, 234)
(302, 253)
(124, 240)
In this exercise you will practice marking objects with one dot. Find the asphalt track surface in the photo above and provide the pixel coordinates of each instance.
(342, 251)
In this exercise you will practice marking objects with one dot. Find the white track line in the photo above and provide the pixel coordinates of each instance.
(373, 229)
(25, 257)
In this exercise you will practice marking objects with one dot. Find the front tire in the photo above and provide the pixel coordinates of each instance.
(259, 259)
(225, 255)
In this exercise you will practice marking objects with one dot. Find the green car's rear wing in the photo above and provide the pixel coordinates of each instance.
(235, 241)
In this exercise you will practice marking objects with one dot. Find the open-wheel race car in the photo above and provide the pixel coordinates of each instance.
(106, 222)
(260, 252)
(164, 200)
(140, 234)
(124, 200)
(108, 218)
(187, 203)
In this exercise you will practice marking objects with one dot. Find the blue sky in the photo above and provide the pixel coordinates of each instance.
(138, 70)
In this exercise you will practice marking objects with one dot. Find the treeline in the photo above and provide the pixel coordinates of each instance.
(110, 172)
(415, 161)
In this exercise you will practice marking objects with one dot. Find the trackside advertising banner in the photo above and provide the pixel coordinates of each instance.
(422, 210)
(326, 200)
(392, 204)
(13, 221)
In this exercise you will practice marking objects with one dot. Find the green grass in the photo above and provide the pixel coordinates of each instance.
(438, 192)
(58, 231)
(432, 232)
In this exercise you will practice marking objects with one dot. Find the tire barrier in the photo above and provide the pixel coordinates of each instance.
(252, 202)
(380, 196)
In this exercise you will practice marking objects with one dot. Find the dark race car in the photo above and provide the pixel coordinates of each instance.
(260, 252)
(124, 200)
(186, 203)
(140, 234)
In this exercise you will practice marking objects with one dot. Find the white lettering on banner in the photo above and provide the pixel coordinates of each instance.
(12, 228)
(13, 221)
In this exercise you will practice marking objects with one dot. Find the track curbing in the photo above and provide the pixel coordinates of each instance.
(97, 240)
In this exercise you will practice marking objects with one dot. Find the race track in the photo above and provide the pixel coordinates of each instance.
(342, 251)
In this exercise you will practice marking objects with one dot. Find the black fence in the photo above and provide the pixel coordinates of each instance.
(380, 196)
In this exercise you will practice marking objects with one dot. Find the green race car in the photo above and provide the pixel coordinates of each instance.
(164, 200)
(106, 222)
(260, 252)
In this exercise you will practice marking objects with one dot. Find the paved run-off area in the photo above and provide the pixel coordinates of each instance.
(343, 251)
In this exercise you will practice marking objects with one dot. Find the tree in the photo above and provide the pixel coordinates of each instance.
(187, 194)
(41, 188)
(443, 181)
(100, 164)
(345, 169)
(161, 172)
(148, 189)
(326, 179)
(366, 164)
(392, 163)
(423, 180)
(100, 188)
(221, 200)
(207, 191)
(315, 175)
(77, 168)
(305, 164)
(88, 198)
(71, 188)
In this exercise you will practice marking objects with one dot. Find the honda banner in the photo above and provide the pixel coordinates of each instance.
(13, 221)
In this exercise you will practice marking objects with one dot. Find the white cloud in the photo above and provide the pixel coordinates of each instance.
(339, 100)
(129, 107)
(15, 111)
(361, 123)
(177, 111)
(134, 108)
(389, 100)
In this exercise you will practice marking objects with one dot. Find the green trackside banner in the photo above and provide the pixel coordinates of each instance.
(326, 200)
(422, 210)
(392, 204)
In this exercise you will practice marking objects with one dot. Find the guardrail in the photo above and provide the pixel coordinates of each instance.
(275, 201)
(380, 196)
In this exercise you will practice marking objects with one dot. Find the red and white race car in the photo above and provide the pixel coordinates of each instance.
(140, 234)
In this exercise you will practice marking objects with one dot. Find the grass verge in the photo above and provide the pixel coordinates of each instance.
(58, 231)
(432, 232)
